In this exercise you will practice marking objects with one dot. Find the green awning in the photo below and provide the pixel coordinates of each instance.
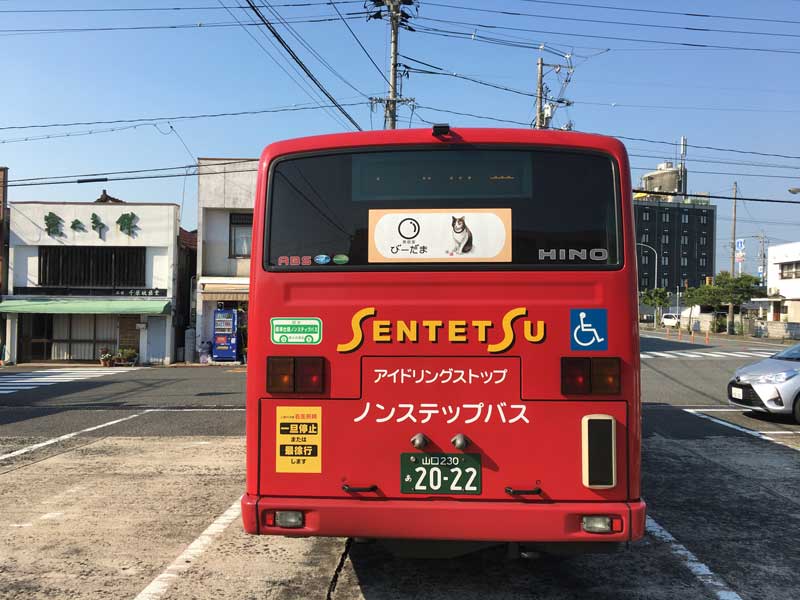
(85, 306)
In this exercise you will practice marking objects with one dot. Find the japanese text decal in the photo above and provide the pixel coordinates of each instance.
(440, 235)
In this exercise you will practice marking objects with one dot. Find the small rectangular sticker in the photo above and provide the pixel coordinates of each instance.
(440, 235)
(295, 330)
(298, 439)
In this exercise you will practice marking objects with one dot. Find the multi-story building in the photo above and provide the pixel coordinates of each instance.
(86, 277)
(226, 191)
(675, 235)
(783, 283)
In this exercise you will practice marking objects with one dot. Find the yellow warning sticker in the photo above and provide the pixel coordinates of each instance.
(298, 439)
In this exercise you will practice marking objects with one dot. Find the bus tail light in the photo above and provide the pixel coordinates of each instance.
(295, 374)
(581, 375)
(599, 451)
(605, 376)
(576, 376)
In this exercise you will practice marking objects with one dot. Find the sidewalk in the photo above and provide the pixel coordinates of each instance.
(671, 332)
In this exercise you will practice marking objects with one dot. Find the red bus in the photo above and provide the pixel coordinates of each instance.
(443, 339)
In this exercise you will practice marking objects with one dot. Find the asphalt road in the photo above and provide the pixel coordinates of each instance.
(125, 484)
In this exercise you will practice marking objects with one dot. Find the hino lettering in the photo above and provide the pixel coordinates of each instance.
(596, 254)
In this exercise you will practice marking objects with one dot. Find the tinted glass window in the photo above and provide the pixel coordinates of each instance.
(563, 205)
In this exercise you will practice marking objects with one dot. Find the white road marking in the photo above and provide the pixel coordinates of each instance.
(27, 380)
(700, 570)
(206, 409)
(67, 436)
(739, 354)
(686, 354)
(160, 584)
(779, 432)
(52, 515)
(20, 524)
(661, 354)
(752, 432)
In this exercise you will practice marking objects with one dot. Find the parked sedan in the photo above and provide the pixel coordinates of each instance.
(771, 385)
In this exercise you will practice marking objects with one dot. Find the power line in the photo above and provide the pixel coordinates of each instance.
(713, 197)
(300, 83)
(358, 41)
(611, 37)
(301, 64)
(607, 22)
(153, 122)
(310, 48)
(662, 12)
(166, 8)
(212, 25)
(767, 176)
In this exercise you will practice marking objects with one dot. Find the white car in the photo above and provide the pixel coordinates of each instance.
(670, 320)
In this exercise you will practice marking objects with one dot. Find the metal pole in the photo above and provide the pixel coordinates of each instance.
(539, 93)
(731, 328)
(391, 104)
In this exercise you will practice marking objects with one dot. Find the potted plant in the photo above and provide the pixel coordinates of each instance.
(126, 357)
(105, 357)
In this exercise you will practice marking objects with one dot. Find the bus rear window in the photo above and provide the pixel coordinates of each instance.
(474, 208)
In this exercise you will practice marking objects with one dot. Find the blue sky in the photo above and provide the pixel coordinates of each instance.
(716, 97)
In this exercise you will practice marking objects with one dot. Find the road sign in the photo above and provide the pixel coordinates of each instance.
(740, 245)
(760, 269)
(740, 257)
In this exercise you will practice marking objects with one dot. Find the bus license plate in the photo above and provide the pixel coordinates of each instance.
(440, 473)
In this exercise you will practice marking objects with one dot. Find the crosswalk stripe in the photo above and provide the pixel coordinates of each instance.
(686, 354)
(29, 380)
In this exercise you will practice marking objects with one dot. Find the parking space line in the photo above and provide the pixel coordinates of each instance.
(67, 436)
(763, 435)
(700, 570)
(160, 584)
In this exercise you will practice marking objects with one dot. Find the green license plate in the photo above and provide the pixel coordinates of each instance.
(440, 473)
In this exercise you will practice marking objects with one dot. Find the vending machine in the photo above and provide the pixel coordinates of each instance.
(224, 346)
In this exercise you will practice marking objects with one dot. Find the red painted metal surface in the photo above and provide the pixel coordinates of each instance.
(359, 448)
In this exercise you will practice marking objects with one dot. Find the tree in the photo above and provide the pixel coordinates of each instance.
(736, 290)
(657, 298)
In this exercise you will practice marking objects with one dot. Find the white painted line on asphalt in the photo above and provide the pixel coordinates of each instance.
(779, 432)
(738, 354)
(686, 354)
(661, 354)
(207, 409)
(716, 354)
(700, 570)
(159, 586)
(716, 409)
(67, 436)
(20, 524)
(698, 413)
(52, 515)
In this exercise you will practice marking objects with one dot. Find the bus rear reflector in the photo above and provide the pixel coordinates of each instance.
(599, 451)
(581, 375)
(295, 374)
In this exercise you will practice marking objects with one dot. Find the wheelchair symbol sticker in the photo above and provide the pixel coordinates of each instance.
(589, 327)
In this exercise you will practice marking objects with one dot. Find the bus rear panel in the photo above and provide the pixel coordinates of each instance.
(443, 339)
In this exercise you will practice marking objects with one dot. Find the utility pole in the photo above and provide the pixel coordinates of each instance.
(733, 255)
(539, 93)
(398, 18)
(391, 104)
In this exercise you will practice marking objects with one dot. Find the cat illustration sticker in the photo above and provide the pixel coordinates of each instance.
(440, 235)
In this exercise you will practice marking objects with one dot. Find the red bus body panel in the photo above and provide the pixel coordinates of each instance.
(532, 438)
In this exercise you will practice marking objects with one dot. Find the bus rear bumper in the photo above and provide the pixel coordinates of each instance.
(445, 519)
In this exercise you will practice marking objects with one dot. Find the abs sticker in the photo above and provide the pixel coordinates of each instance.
(589, 327)
(295, 330)
(298, 439)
